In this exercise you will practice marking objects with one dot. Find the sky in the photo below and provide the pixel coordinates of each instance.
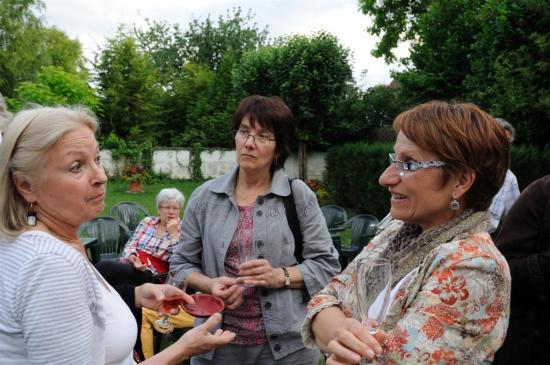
(91, 21)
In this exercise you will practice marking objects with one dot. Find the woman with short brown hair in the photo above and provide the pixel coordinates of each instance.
(451, 286)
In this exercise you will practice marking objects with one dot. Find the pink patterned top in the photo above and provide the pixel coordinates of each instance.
(454, 310)
(246, 321)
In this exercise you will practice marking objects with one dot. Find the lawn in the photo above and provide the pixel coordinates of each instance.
(118, 192)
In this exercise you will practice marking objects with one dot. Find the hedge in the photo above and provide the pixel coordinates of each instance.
(352, 171)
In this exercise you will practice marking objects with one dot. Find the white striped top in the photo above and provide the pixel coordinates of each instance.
(51, 309)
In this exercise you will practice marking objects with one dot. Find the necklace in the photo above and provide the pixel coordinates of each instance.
(67, 239)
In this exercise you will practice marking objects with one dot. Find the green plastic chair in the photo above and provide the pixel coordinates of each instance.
(129, 213)
(335, 216)
(111, 235)
(363, 229)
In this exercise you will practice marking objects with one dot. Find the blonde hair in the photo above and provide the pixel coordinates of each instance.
(28, 137)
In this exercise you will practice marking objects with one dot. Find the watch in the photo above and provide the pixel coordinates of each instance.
(287, 277)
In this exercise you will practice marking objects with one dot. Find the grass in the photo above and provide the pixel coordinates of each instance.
(118, 192)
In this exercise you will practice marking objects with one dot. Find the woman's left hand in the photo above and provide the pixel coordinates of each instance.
(172, 226)
(259, 272)
(151, 296)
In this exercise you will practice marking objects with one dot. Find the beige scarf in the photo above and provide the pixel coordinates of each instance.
(411, 246)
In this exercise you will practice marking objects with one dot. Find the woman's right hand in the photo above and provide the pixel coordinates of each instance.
(136, 263)
(227, 290)
(200, 340)
(353, 342)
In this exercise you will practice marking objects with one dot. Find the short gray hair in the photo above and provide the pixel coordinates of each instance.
(509, 127)
(27, 140)
(170, 194)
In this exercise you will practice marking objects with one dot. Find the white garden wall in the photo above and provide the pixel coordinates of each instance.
(175, 162)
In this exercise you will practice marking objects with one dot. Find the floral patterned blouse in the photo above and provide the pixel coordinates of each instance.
(454, 310)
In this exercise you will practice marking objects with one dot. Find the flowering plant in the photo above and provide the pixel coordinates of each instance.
(319, 190)
(134, 173)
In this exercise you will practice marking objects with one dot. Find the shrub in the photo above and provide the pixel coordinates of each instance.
(351, 177)
(529, 163)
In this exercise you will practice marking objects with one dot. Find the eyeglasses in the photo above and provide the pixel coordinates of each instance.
(258, 138)
(413, 166)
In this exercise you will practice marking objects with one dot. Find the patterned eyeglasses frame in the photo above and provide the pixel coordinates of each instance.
(413, 166)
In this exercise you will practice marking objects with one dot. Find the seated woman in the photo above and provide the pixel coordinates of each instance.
(147, 252)
(450, 285)
(56, 308)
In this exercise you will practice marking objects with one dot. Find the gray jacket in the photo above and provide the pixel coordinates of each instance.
(208, 226)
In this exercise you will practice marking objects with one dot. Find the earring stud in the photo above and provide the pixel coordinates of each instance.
(455, 205)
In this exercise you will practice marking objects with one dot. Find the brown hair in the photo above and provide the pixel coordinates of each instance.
(464, 137)
(272, 114)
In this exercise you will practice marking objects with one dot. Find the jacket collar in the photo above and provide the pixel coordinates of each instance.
(226, 184)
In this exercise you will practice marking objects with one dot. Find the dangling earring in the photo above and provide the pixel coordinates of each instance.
(455, 205)
(31, 217)
(276, 161)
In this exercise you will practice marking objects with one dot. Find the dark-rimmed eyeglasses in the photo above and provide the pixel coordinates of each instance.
(413, 166)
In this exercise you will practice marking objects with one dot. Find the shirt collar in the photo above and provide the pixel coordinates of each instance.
(226, 183)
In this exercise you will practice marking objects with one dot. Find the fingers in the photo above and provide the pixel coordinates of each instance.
(222, 338)
(353, 342)
(224, 280)
(349, 348)
(212, 322)
(235, 299)
(259, 265)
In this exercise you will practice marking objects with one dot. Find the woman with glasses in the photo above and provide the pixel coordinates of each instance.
(236, 243)
(450, 286)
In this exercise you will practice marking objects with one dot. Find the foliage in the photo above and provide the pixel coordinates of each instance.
(309, 73)
(511, 66)
(128, 90)
(494, 53)
(529, 163)
(319, 189)
(54, 86)
(134, 173)
(27, 45)
(195, 162)
(207, 43)
(351, 177)
(194, 68)
(360, 113)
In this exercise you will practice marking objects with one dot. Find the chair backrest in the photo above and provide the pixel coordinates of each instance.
(363, 228)
(335, 216)
(129, 213)
(111, 235)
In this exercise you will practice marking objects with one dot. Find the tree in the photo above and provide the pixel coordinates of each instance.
(309, 73)
(129, 93)
(57, 87)
(26, 45)
(491, 52)
(206, 42)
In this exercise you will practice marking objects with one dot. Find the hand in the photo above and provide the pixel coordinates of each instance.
(200, 340)
(172, 227)
(151, 296)
(352, 342)
(227, 290)
(259, 272)
(136, 263)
